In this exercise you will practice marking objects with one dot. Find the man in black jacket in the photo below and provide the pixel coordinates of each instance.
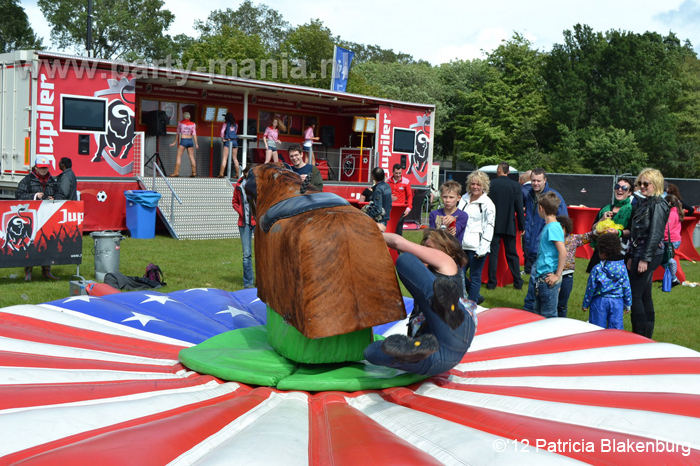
(67, 182)
(506, 195)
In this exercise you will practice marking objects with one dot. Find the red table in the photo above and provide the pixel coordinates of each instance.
(687, 250)
(583, 218)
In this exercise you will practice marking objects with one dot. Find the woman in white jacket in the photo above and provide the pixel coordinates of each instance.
(479, 230)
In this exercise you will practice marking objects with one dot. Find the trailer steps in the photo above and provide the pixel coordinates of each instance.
(205, 212)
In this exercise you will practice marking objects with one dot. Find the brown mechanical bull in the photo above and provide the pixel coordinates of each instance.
(320, 263)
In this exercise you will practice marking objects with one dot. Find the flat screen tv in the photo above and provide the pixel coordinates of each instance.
(80, 114)
(404, 141)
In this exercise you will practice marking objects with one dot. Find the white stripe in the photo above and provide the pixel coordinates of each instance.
(532, 331)
(48, 349)
(609, 353)
(399, 328)
(662, 383)
(448, 442)
(116, 399)
(39, 376)
(274, 432)
(682, 430)
(30, 428)
(59, 315)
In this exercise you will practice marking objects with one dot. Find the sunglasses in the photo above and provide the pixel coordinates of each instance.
(623, 187)
(642, 183)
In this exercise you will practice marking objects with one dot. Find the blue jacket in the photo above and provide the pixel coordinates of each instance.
(534, 224)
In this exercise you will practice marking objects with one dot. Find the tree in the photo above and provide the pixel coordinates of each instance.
(230, 51)
(504, 118)
(622, 81)
(309, 50)
(415, 82)
(121, 29)
(15, 31)
(374, 53)
(263, 21)
(457, 79)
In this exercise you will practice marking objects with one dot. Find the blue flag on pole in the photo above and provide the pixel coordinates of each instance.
(341, 68)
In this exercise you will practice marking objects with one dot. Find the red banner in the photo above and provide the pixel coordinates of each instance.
(41, 233)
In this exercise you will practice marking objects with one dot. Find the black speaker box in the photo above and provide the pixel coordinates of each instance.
(328, 136)
(84, 144)
(251, 126)
(156, 121)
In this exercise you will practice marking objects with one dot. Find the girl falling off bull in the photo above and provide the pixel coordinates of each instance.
(442, 325)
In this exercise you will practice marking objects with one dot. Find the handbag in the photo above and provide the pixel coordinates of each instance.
(669, 250)
(667, 284)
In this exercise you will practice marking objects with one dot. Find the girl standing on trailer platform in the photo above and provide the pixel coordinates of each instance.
(271, 139)
(229, 136)
(187, 137)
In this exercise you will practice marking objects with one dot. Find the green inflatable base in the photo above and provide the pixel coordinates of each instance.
(245, 356)
(292, 344)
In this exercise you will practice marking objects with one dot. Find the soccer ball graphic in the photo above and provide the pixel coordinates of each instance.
(101, 196)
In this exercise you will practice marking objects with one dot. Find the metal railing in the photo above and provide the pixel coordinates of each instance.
(173, 196)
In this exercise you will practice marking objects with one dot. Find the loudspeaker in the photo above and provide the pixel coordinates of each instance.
(328, 136)
(252, 127)
(84, 144)
(403, 161)
(156, 121)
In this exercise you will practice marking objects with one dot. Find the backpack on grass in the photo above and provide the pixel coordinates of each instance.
(154, 273)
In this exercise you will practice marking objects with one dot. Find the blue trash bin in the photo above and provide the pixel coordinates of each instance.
(141, 213)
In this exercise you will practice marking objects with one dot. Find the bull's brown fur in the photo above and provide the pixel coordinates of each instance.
(327, 272)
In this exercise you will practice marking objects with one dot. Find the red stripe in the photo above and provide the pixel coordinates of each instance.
(21, 396)
(634, 367)
(41, 331)
(9, 359)
(341, 435)
(498, 318)
(151, 440)
(580, 341)
(669, 403)
(518, 427)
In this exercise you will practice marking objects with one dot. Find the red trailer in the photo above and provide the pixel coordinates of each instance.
(112, 118)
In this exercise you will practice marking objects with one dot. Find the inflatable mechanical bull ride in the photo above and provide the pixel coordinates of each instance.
(326, 276)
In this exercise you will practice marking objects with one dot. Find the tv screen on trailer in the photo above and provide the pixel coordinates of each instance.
(404, 141)
(83, 114)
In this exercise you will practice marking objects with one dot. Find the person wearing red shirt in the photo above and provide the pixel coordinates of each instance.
(401, 193)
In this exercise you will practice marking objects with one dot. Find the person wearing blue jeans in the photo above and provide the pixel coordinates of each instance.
(446, 327)
(476, 266)
(246, 227)
(545, 278)
(478, 232)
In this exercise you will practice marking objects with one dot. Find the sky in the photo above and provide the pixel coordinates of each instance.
(439, 31)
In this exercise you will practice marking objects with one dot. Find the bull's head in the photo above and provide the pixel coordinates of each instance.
(120, 119)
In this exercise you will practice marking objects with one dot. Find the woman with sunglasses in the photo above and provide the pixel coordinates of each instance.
(620, 211)
(646, 248)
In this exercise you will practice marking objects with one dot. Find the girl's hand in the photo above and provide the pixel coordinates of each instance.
(173, 144)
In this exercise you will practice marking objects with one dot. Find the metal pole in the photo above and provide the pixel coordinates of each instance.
(88, 45)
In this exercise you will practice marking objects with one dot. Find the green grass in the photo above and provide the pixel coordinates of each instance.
(217, 264)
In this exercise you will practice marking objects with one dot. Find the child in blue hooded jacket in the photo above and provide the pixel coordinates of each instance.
(608, 293)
